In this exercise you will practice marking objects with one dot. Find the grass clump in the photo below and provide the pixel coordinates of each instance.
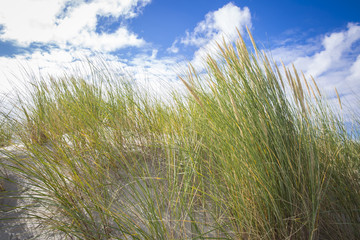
(251, 152)
(280, 157)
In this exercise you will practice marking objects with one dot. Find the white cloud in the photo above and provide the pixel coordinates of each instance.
(173, 48)
(156, 75)
(355, 71)
(333, 62)
(21, 68)
(108, 42)
(64, 22)
(289, 53)
(71, 26)
(331, 58)
(222, 23)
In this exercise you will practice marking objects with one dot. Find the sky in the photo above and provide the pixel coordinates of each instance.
(155, 40)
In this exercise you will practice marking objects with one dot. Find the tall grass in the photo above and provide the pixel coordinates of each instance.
(5, 123)
(283, 159)
(6, 134)
(253, 151)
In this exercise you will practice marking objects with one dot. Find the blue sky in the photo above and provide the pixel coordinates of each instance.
(154, 40)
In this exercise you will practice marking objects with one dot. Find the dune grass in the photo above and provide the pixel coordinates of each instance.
(5, 123)
(253, 151)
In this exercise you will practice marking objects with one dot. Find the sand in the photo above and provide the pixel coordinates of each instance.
(14, 221)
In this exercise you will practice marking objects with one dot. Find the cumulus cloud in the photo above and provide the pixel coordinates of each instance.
(70, 26)
(68, 29)
(334, 55)
(334, 62)
(222, 23)
(64, 22)
(336, 46)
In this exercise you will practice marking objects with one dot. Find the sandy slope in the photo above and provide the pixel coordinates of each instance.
(14, 222)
